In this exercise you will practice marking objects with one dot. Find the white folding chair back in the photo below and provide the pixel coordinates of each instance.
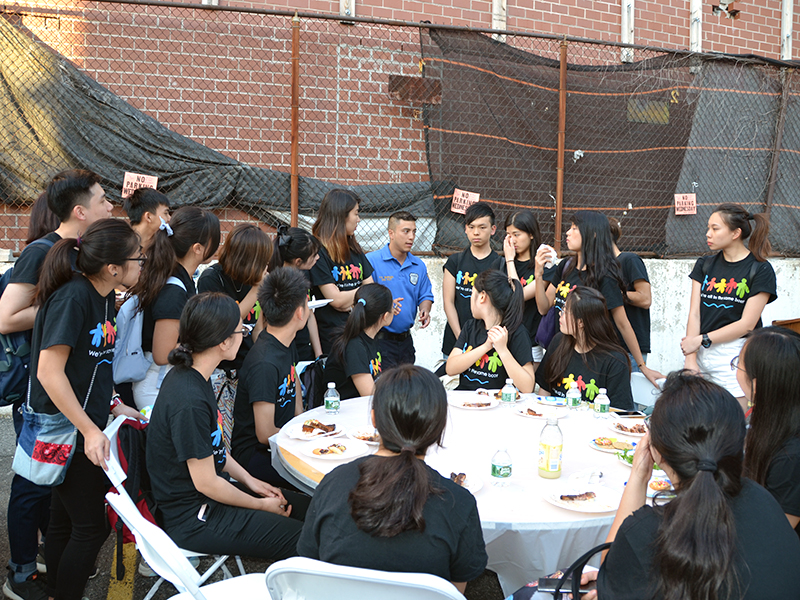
(301, 578)
(643, 391)
(157, 548)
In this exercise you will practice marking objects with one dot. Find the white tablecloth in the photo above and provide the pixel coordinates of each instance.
(526, 536)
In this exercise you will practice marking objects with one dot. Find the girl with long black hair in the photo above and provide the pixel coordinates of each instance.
(342, 266)
(722, 536)
(587, 352)
(492, 346)
(71, 355)
(729, 292)
(355, 362)
(295, 247)
(390, 511)
(190, 239)
(201, 509)
(522, 239)
(768, 371)
(594, 265)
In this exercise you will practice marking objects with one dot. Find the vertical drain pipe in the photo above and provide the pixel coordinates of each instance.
(295, 176)
(562, 126)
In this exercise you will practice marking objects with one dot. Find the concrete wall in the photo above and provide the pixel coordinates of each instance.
(671, 290)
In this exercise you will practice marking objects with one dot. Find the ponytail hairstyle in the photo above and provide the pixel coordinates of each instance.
(245, 254)
(526, 222)
(291, 243)
(329, 227)
(410, 407)
(373, 300)
(699, 429)
(771, 355)
(736, 217)
(505, 295)
(42, 220)
(207, 320)
(189, 225)
(105, 242)
(597, 250)
(588, 306)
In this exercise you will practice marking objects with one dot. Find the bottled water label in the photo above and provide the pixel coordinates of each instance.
(501, 471)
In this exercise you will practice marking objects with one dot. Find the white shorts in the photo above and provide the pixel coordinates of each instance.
(145, 391)
(715, 363)
(538, 353)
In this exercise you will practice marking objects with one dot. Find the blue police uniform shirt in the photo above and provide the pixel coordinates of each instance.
(408, 281)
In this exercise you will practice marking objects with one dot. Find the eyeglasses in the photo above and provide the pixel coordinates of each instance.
(245, 330)
(735, 363)
(140, 259)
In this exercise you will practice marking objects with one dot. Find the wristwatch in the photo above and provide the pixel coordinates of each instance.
(706, 343)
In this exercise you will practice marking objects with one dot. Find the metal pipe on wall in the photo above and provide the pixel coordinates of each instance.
(562, 126)
(295, 175)
(787, 16)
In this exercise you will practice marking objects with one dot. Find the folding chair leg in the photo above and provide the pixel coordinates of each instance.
(154, 589)
(241, 566)
(218, 563)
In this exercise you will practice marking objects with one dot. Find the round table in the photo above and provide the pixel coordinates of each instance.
(526, 536)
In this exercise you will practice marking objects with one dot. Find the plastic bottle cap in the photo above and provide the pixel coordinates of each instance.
(602, 390)
(510, 381)
(331, 385)
(552, 421)
(574, 385)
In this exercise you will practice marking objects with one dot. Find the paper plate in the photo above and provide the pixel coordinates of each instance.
(612, 425)
(609, 449)
(296, 432)
(462, 401)
(353, 449)
(606, 500)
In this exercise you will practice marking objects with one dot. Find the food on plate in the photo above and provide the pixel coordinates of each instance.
(313, 425)
(660, 485)
(459, 478)
(638, 428)
(332, 449)
(476, 404)
(605, 442)
(499, 394)
(619, 445)
(626, 455)
(578, 497)
(533, 413)
(482, 392)
(367, 437)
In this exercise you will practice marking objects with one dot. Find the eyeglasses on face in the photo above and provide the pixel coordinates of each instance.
(141, 259)
(735, 363)
(245, 330)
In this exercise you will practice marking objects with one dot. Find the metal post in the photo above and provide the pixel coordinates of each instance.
(295, 176)
(628, 16)
(562, 126)
(786, 80)
(499, 18)
(787, 10)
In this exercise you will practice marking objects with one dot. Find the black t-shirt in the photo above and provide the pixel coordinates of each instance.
(29, 263)
(451, 546)
(783, 478)
(531, 317)
(465, 268)
(360, 356)
(75, 315)
(489, 373)
(633, 270)
(725, 288)
(168, 305)
(214, 279)
(766, 544)
(268, 375)
(566, 283)
(185, 423)
(302, 341)
(592, 371)
(347, 277)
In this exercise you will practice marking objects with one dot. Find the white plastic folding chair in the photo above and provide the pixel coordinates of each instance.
(644, 394)
(166, 559)
(117, 476)
(301, 578)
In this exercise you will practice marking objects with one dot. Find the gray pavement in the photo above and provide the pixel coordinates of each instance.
(105, 585)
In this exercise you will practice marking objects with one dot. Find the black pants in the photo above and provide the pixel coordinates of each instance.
(395, 353)
(78, 527)
(243, 531)
(260, 467)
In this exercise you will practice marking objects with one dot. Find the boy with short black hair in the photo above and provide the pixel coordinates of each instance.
(148, 211)
(268, 395)
(461, 269)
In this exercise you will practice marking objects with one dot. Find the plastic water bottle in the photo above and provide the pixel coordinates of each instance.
(508, 395)
(501, 468)
(551, 444)
(601, 405)
(573, 396)
(332, 400)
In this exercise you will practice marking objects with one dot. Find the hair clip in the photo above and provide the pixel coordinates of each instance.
(165, 227)
(362, 301)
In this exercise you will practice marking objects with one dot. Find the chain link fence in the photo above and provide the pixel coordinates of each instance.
(404, 114)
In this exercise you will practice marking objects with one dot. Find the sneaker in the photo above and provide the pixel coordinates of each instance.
(30, 589)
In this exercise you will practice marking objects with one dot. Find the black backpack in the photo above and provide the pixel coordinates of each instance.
(314, 383)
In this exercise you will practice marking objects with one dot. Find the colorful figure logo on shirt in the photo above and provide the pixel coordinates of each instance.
(725, 288)
(465, 278)
(216, 441)
(375, 366)
(349, 272)
(563, 289)
(591, 389)
(104, 334)
(287, 389)
(490, 362)
(527, 281)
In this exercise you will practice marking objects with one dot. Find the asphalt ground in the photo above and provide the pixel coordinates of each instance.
(134, 586)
